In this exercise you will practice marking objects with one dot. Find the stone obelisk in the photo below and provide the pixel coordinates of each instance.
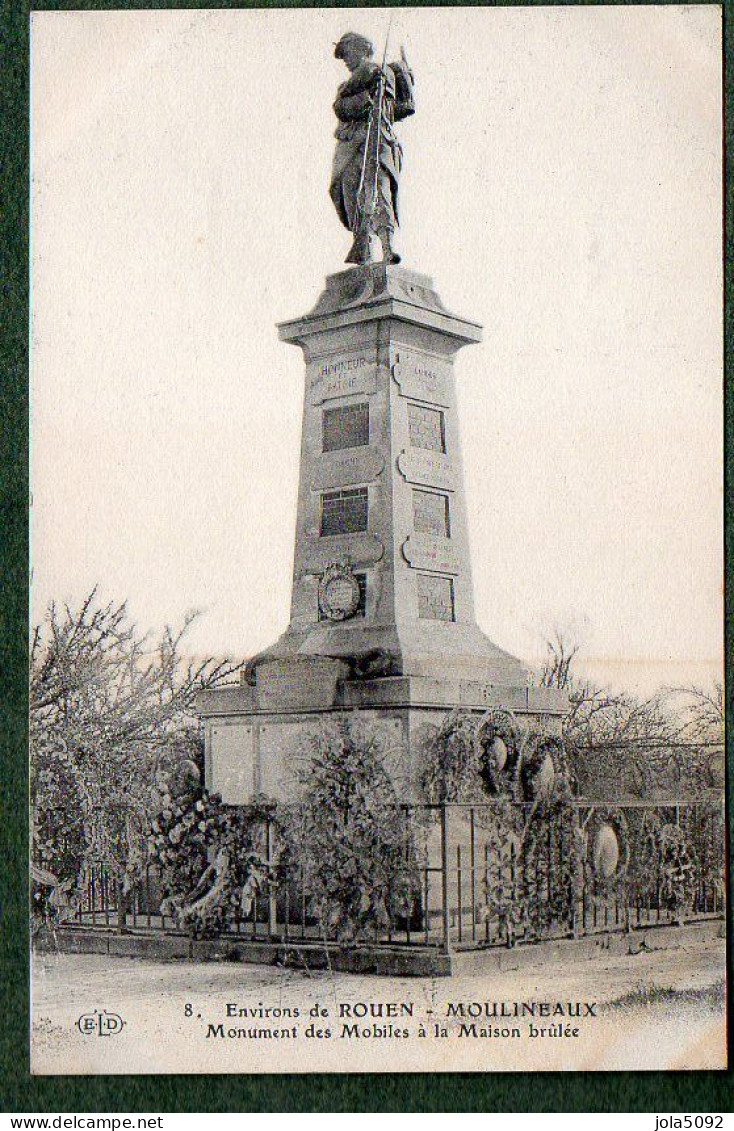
(381, 511)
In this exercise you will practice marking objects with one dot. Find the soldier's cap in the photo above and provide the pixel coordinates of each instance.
(352, 39)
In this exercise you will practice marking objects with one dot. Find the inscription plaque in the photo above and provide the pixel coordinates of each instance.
(345, 426)
(344, 512)
(429, 468)
(281, 756)
(431, 513)
(356, 549)
(435, 597)
(342, 378)
(288, 686)
(426, 428)
(361, 465)
(232, 762)
(437, 555)
(423, 378)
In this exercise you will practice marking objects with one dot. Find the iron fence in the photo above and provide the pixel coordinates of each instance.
(484, 875)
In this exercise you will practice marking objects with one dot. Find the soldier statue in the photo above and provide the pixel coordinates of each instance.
(368, 157)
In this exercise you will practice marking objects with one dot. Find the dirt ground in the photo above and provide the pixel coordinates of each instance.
(658, 1009)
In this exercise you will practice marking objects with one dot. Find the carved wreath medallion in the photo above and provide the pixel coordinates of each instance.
(338, 592)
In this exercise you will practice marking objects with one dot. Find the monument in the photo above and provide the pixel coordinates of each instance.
(382, 620)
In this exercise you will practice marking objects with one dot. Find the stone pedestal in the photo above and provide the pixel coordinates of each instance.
(382, 613)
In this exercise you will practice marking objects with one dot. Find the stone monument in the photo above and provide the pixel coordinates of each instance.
(382, 615)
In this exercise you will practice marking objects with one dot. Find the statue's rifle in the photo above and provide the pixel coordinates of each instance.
(367, 206)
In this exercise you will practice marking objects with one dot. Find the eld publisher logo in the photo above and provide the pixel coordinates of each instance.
(100, 1024)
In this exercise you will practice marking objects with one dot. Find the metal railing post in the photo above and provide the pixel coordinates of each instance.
(121, 907)
(272, 901)
(445, 913)
(575, 932)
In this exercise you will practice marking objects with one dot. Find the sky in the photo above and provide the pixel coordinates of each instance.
(561, 186)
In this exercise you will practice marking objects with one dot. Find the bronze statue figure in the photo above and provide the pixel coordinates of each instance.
(368, 157)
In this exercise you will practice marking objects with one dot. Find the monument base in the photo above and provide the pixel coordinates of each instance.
(258, 738)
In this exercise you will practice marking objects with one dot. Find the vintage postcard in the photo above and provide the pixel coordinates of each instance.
(376, 647)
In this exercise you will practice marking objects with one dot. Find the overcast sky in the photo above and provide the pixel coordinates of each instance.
(562, 186)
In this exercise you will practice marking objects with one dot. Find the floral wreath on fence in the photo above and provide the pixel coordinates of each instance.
(677, 868)
(497, 725)
(644, 863)
(501, 882)
(534, 781)
(211, 860)
(607, 846)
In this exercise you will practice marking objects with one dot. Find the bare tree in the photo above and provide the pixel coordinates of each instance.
(558, 664)
(701, 713)
(622, 745)
(110, 717)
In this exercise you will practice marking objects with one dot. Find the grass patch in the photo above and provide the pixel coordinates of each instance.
(708, 997)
